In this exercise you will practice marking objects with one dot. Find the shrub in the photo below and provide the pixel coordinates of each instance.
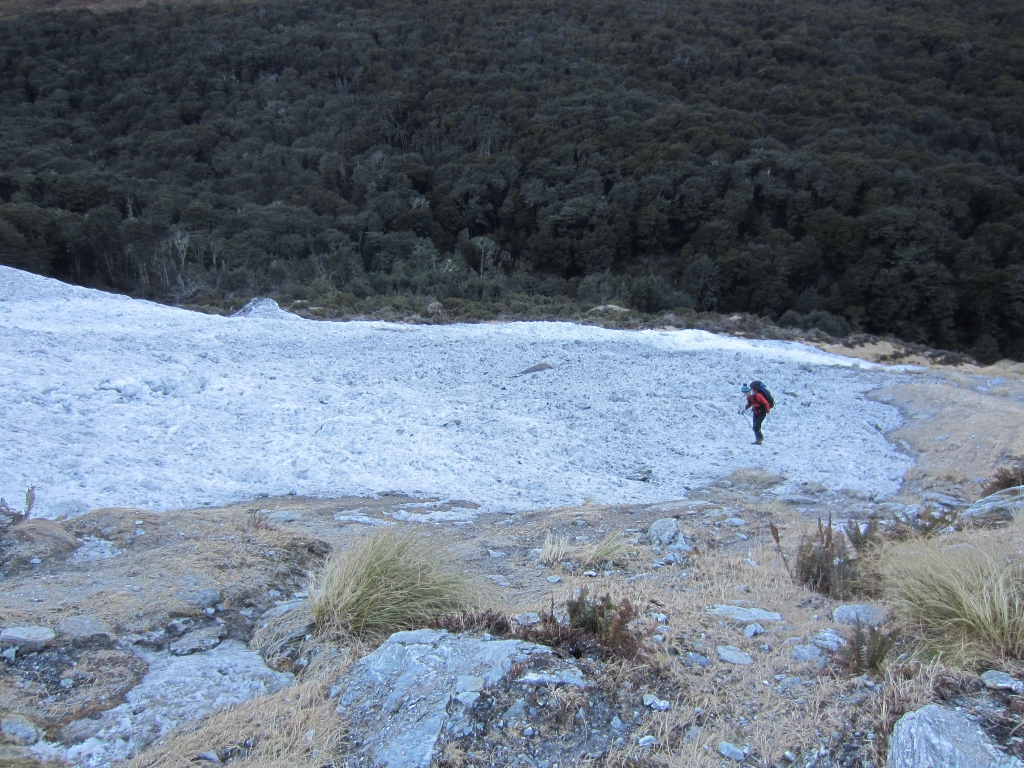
(15, 515)
(968, 603)
(867, 650)
(1005, 477)
(391, 581)
(823, 562)
(605, 620)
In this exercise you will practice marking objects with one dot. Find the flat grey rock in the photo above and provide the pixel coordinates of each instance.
(84, 629)
(793, 498)
(732, 752)
(342, 517)
(733, 655)
(1000, 681)
(734, 522)
(500, 580)
(527, 619)
(19, 730)
(403, 696)
(284, 516)
(744, 615)
(994, 511)
(828, 640)
(804, 653)
(204, 639)
(203, 598)
(868, 615)
(691, 659)
(27, 638)
(752, 630)
(663, 532)
(945, 500)
(937, 736)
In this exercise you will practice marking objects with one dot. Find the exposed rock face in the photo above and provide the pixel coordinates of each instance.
(744, 615)
(84, 629)
(936, 736)
(27, 639)
(994, 511)
(420, 684)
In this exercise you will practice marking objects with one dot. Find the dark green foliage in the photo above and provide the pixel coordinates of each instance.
(863, 538)
(16, 515)
(823, 562)
(866, 650)
(839, 166)
(1005, 477)
(606, 621)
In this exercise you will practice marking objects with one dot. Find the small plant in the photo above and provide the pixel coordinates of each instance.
(1005, 477)
(863, 539)
(606, 620)
(15, 515)
(554, 550)
(391, 581)
(867, 650)
(608, 550)
(823, 562)
(259, 521)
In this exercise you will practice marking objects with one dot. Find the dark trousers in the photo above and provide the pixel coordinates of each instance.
(758, 421)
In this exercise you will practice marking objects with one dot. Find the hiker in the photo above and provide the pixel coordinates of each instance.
(761, 404)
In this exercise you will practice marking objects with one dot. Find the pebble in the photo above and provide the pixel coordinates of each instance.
(789, 757)
(647, 742)
(868, 615)
(554, 579)
(733, 655)
(590, 573)
(752, 630)
(658, 705)
(731, 751)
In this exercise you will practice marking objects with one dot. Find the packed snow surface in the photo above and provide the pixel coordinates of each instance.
(110, 401)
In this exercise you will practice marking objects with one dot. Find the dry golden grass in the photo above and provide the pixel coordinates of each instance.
(554, 550)
(752, 476)
(611, 548)
(294, 728)
(396, 579)
(964, 594)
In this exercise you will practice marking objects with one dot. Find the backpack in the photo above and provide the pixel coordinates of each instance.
(758, 386)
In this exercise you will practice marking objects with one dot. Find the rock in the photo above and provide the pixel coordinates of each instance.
(658, 705)
(641, 475)
(663, 532)
(500, 580)
(994, 511)
(209, 756)
(1000, 681)
(28, 639)
(828, 640)
(554, 579)
(264, 309)
(341, 517)
(204, 639)
(934, 736)
(84, 629)
(647, 742)
(78, 731)
(868, 615)
(398, 698)
(691, 659)
(570, 676)
(944, 500)
(796, 499)
(752, 630)
(734, 522)
(733, 655)
(732, 752)
(284, 516)
(681, 547)
(804, 653)
(744, 615)
(527, 619)
(204, 598)
(496, 554)
(19, 730)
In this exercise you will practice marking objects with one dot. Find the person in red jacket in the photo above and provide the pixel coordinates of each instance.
(761, 407)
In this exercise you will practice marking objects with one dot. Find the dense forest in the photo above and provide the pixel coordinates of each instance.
(857, 164)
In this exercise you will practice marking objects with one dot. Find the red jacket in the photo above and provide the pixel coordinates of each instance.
(759, 403)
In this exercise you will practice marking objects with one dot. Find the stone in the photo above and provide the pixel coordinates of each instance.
(663, 532)
(204, 639)
(527, 619)
(935, 735)
(284, 516)
(803, 653)
(500, 580)
(672, 558)
(994, 511)
(658, 705)
(570, 676)
(752, 630)
(868, 615)
(78, 731)
(691, 659)
(27, 638)
(203, 598)
(732, 752)
(744, 615)
(733, 655)
(828, 640)
(796, 499)
(1000, 681)
(681, 547)
(647, 742)
(944, 500)
(84, 629)
(734, 522)
(412, 679)
(18, 730)
(362, 519)
(210, 756)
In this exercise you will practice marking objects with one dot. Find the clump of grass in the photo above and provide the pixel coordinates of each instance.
(608, 550)
(1005, 477)
(753, 476)
(554, 550)
(394, 580)
(968, 603)
(16, 515)
(259, 521)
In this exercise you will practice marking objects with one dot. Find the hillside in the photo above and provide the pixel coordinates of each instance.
(843, 165)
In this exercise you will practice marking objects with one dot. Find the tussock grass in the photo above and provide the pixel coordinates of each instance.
(967, 601)
(608, 550)
(394, 580)
(555, 549)
(752, 476)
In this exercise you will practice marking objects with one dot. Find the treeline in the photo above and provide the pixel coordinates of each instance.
(855, 165)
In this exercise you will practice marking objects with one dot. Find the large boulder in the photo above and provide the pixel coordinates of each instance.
(937, 736)
(421, 685)
(994, 511)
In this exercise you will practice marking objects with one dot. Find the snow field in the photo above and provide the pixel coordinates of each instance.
(109, 401)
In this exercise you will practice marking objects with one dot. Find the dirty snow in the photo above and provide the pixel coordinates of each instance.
(109, 401)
